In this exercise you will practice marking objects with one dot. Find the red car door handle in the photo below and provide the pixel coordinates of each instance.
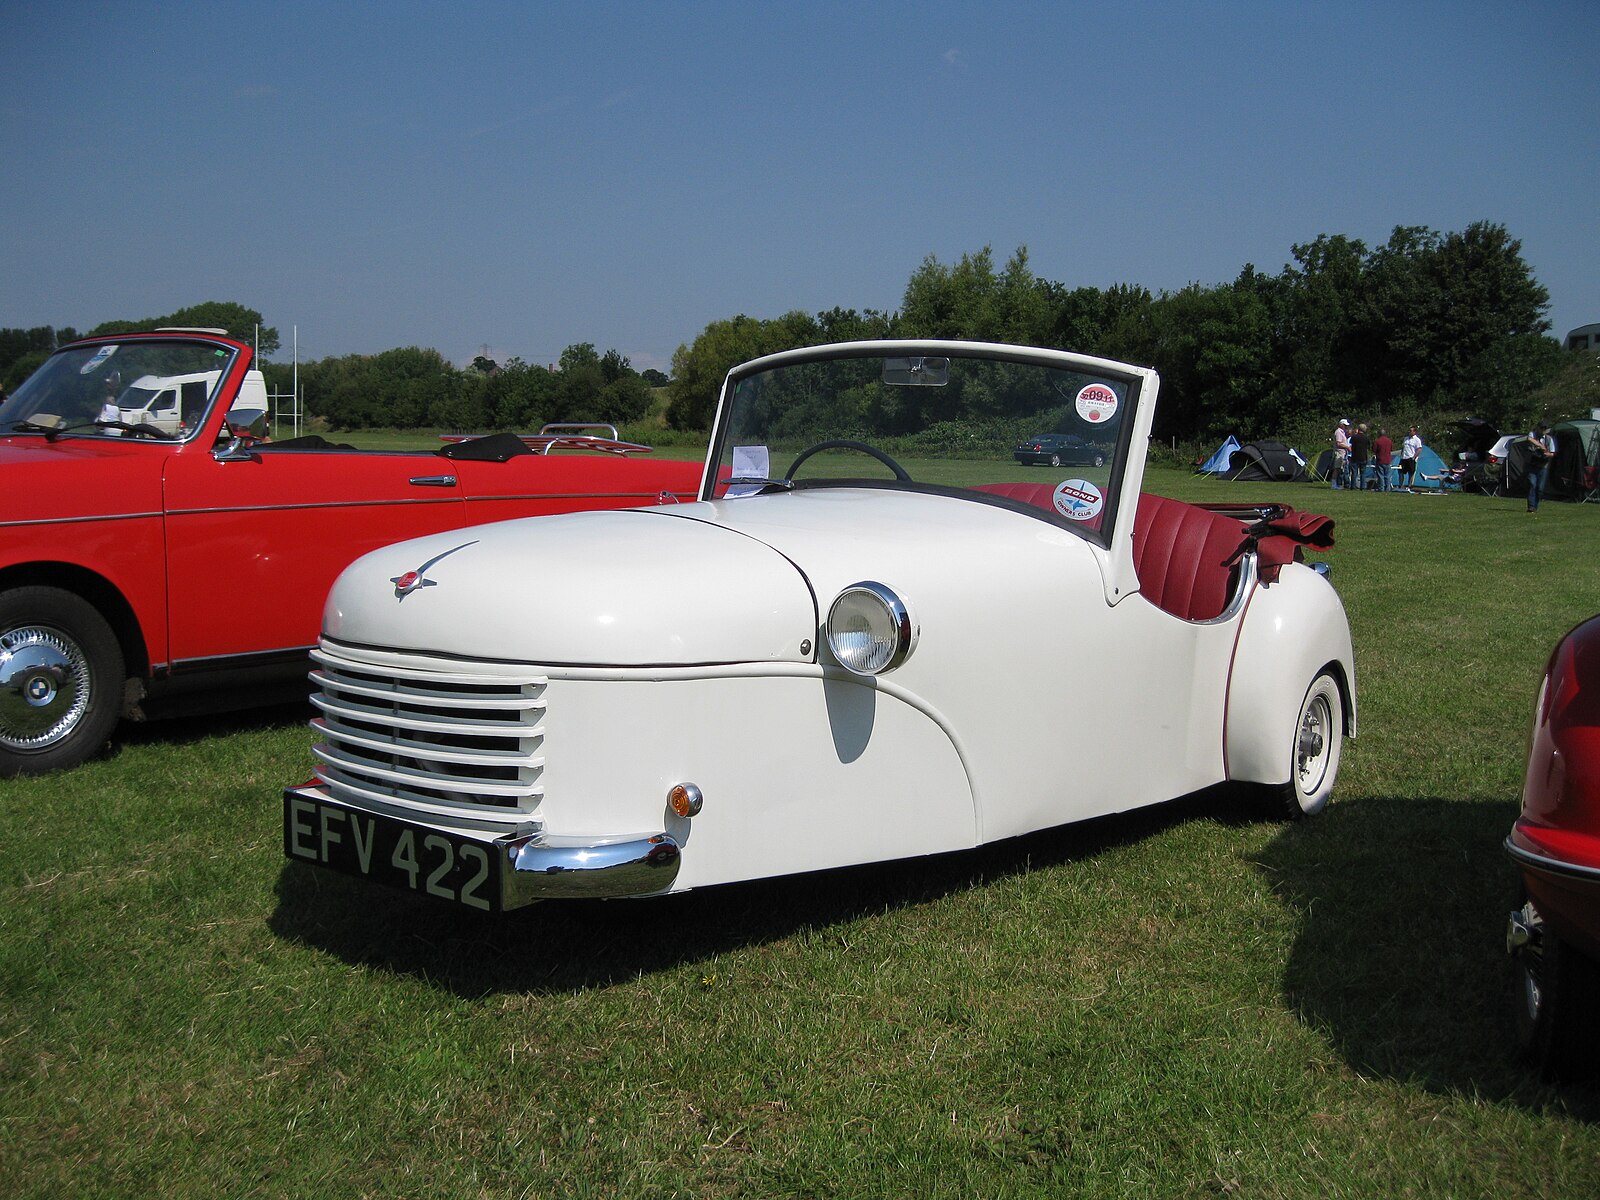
(433, 481)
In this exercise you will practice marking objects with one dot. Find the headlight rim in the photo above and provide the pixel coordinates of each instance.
(898, 613)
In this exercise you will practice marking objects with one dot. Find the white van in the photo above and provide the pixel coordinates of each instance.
(176, 403)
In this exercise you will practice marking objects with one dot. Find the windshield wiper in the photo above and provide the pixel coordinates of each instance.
(143, 428)
(27, 426)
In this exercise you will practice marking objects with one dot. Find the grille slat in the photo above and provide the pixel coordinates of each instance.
(350, 787)
(391, 716)
(364, 685)
(484, 758)
(508, 680)
(414, 775)
(429, 737)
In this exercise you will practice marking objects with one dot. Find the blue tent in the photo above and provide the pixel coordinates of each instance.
(1218, 462)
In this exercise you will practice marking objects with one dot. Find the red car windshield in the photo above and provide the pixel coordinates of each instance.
(145, 388)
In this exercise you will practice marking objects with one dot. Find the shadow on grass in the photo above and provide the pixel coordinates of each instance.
(186, 728)
(562, 946)
(1400, 958)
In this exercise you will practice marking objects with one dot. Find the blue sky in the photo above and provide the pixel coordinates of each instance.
(525, 176)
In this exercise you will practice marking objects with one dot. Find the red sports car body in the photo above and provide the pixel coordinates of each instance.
(158, 553)
(1555, 935)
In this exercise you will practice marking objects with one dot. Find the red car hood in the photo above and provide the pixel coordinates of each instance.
(78, 477)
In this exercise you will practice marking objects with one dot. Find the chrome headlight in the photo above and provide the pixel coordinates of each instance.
(870, 629)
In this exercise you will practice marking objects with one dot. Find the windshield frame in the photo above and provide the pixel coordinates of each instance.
(228, 362)
(1132, 382)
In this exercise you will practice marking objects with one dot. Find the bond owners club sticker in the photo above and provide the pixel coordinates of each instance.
(1078, 500)
(100, 356)
(1097, 404)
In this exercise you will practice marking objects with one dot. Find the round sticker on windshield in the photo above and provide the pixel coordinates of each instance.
(1078, 500)
(1097, 404)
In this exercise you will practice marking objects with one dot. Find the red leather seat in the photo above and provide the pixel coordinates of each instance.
(1181, 554)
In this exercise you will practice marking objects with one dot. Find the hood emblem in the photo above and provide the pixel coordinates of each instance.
(413, 581)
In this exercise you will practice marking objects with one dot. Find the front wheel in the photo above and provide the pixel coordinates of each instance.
(1318, 745)
(61, 676)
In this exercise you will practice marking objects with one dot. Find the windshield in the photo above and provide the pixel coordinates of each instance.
(156, 389)
(933, 416)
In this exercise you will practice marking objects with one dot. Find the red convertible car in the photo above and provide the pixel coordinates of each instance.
(160, 555)
(1555, 935)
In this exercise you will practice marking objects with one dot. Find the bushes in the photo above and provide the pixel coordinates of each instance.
(414, 388)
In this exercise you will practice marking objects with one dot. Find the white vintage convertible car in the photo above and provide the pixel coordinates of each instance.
(864, 641)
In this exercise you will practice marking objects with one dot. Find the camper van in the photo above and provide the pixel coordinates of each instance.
(172, 403)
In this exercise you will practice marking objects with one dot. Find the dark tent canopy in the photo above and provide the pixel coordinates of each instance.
(1477, 438)
(1265, 462)
(1575, 471)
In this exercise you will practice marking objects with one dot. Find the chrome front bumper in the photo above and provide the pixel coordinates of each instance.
(540, 868)
(473, 867)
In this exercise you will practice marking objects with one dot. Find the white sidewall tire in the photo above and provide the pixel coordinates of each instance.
(1318, 748)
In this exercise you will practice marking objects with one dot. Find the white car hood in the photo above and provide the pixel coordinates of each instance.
(744, 580)
(633, 587)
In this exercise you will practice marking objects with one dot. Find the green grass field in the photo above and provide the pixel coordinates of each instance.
(1188, 1001)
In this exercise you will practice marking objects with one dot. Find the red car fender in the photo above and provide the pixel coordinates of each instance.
(1559, 829)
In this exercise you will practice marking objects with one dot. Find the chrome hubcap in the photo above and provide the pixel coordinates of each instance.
(44, 687)
(1312, 746)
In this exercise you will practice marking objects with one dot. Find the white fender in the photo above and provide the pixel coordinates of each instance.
(1292, 630)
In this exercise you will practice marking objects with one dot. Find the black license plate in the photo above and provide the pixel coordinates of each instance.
(392, 852)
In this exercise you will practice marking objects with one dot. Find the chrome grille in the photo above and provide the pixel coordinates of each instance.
(429, 737)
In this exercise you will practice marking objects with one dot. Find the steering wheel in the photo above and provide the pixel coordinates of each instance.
(848, 444)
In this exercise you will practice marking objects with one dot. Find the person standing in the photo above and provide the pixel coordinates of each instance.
(1341, 453)
(1360, 450)
(1410, 452)
(1541, 450)
(1383, 456)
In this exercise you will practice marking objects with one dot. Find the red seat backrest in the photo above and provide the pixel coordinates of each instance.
(1181, 552)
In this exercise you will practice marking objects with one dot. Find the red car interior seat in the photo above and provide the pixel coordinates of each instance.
(1184, 556)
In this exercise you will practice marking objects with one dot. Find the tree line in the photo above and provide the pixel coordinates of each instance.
(1427, 322)
(410, 388)
(23, 350)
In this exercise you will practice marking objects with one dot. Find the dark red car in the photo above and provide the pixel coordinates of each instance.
(1554, 936)
(160, 555)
